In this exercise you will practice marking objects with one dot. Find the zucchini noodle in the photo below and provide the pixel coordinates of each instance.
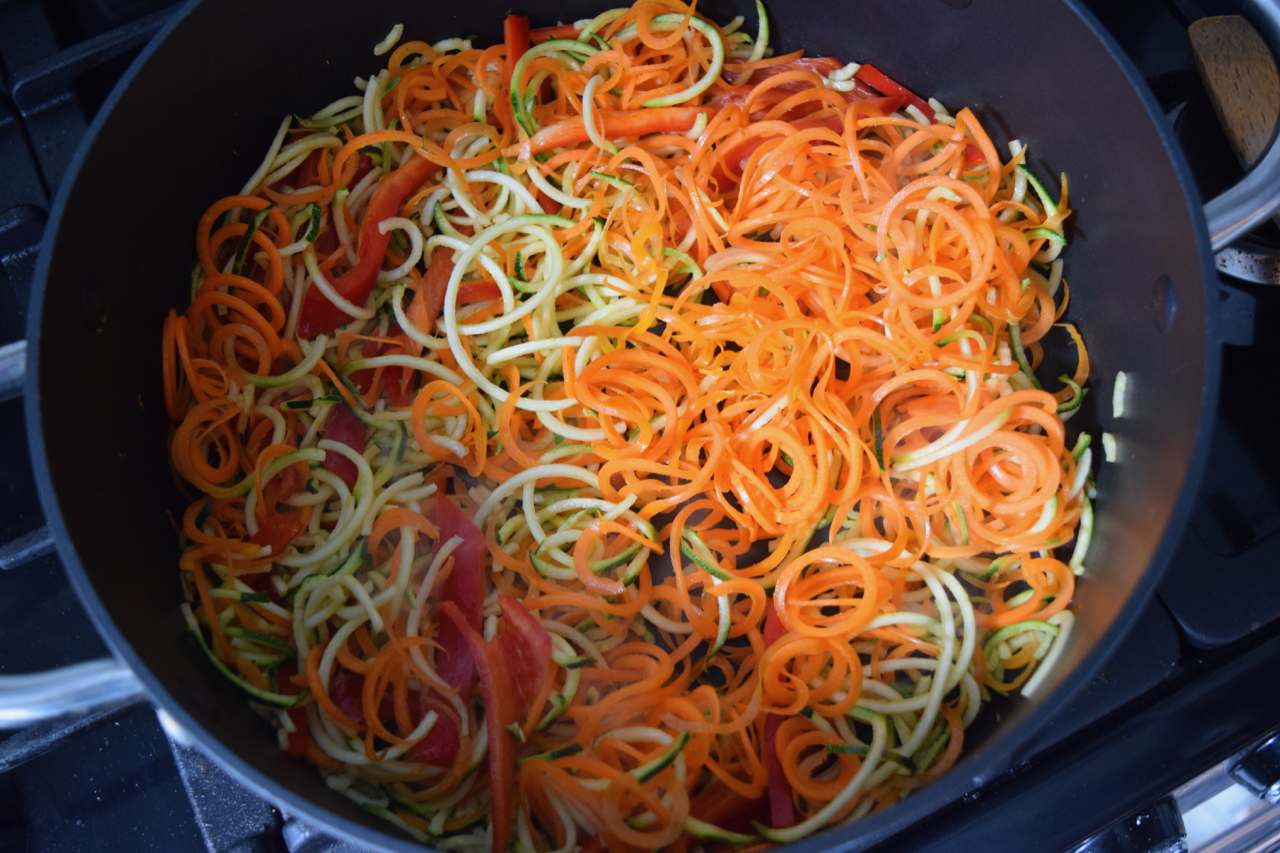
(626, 436)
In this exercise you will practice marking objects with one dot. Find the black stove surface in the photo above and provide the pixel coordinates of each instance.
(1182, 694)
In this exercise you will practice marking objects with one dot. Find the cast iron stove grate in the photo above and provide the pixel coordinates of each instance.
(1186, 692)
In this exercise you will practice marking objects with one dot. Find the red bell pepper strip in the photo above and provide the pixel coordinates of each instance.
(305, 175)
(524, 650)
(439, 747)
(278, 531)
(399, 387)
(874, 78)
(618, 124)
(515, 35)
(478, 291)
(973, 155)
(320, 316)
(465, 588)
(327, 243)
(549, 205)
(721, 806)
(364, 165)
(345, 428)
(290, 483)
(888, 104)
(363, 379)
(780, 805)
(346, 689)
(428, 302)
(397, 382)
(512, 668)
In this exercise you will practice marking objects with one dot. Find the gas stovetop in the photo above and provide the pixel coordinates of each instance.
(1162, 743)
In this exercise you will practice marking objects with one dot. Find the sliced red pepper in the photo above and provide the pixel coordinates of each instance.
(549, 205)
(345, 428)
(515, 35)
(363, 379)
(309, 172)
(397, 382)
(780, 805)
(346, 689)
(327, 243)
(364, 165)
(781, 808)
(524, 651)
(512, 669)
(721, 806)
(400, 391)
(319, 315)
(885, 85)
(440, 746)
(429, 301)
(290, 483)
(973, 155)
(300, 177)
(278, 531)
(478, 291)
(464, 588)
(428, 304)
(888, 104)
(618, 124)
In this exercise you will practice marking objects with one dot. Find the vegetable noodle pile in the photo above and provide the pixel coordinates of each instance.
(625, 437)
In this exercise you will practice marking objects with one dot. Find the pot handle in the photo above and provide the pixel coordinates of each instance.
(1246, 205)
(77, 689)
(13, 368)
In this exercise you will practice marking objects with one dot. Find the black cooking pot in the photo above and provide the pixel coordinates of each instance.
(192, 118)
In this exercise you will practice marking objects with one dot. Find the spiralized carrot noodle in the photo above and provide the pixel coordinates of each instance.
(624, 437)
